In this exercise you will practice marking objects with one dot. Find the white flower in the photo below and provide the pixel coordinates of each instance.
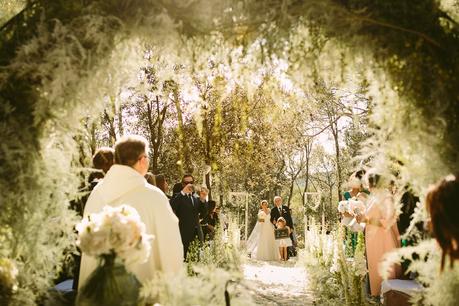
(261, 215)
(343, 206)
(115, 229)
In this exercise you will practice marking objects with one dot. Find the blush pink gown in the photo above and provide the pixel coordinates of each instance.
(380, 239)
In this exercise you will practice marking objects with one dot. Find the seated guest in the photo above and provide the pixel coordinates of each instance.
(124, 183)
(162, 184)
(442, 203)
(381, 233)
(210, 221)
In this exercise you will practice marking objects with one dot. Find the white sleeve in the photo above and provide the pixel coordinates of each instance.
(167, 243)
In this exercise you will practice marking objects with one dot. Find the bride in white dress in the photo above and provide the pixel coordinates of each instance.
(261, 243)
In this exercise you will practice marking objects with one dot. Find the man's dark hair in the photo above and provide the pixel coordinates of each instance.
(129, 149)
(187, 175)
(161, 182)
(360, 174)
(374, 180)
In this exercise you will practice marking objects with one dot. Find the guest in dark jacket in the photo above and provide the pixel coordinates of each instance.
(210, 221)
(189, 211)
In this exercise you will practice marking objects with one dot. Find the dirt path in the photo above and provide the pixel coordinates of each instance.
(278, 283)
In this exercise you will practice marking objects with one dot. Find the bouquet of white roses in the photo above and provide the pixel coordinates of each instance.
(115, 230)
(261, 216)
(353, 208)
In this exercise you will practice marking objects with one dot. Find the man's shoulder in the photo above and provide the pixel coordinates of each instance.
(152, 191)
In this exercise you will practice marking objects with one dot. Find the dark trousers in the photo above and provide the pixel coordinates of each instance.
(186, 244)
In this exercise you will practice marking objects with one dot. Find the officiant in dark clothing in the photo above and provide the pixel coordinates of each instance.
(278, 211)
(189, 211)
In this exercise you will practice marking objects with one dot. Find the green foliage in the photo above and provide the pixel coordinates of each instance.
(61, 59)
(206, 287)
(212, 267)
(334, 277)
(222, 252)
(440, 288)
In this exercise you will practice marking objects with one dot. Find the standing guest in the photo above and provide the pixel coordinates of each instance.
(381, 233)
(203, 192)
(189, 211)
(125, 184)
(102, 161)
(442, 204)
(210, 221)
(150, 177)
(162, 184)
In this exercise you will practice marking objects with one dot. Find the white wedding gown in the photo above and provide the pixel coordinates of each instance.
(261, 244)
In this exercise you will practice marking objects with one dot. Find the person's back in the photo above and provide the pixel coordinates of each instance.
(126, 185)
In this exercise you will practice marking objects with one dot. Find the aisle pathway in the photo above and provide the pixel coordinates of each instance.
(278, 283)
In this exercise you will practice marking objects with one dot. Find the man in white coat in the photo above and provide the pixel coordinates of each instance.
(124, 183)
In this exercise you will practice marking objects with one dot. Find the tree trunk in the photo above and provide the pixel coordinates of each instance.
(338, 160)
(207, 133)
(111, 128)
(308, 148)
(120, 120)
(93, 141)
(290, 193)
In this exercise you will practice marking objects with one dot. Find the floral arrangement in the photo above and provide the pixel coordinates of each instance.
(261, 216)
(212, 268)
(116, 230)
(352, 207)
(8, 281)
(334, 278)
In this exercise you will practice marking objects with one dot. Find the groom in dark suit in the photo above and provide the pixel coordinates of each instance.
(280, 210)
(189, 210)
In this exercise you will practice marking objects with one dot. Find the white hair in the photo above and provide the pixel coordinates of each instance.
(277, 197)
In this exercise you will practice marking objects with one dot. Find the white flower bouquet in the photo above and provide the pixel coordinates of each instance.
(261, 216)
(117, 230)
(113, 234)
(353, 208)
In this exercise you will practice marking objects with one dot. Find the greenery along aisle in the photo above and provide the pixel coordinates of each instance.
(62, 60)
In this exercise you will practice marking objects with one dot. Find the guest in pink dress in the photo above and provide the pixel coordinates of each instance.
(381, 233)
